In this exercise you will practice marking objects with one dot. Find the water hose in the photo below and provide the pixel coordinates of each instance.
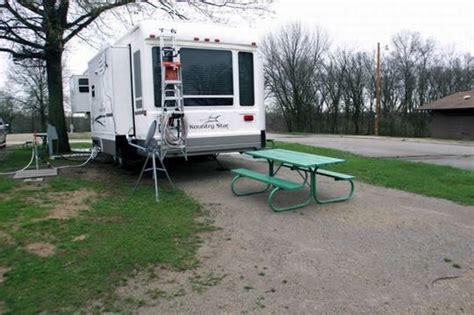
(27, 165)
(95, 150)
(174, 136)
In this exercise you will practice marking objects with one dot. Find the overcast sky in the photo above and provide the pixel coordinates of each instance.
(363, 23)
(358, 23)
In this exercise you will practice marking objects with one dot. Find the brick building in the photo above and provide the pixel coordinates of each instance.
(452, 116)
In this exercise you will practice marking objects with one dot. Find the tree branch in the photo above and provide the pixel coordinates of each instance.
(89, 18)
(19, 40)
(21, 18)
(30, 6)
(22, 55)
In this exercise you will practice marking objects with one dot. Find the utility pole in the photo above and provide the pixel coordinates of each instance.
(377, 92)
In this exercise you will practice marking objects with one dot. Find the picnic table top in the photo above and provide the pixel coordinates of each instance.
(295, 158)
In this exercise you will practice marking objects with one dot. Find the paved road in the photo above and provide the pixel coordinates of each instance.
(458, 154)
(20, 138)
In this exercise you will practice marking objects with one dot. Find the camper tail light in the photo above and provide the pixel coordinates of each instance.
(248, 117)
(152, 36)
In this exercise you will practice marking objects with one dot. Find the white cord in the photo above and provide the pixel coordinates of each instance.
(28, 165)
(170, 135)
(93, 155)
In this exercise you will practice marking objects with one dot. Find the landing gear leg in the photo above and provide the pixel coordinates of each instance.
(220, 167)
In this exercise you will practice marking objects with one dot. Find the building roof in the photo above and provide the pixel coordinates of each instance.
(458, 100)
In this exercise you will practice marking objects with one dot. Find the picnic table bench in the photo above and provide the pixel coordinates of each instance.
(304, 164)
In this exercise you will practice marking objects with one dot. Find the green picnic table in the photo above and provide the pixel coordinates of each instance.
(308, 166)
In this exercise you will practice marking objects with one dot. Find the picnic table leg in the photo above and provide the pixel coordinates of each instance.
(270, 168)
(314, 191)
(278, 209)
(239, 194)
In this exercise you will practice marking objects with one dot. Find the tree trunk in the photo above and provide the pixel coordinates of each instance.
(42, 108)
(43, 119)
(33, 129)
(334, 119)
(55, 89)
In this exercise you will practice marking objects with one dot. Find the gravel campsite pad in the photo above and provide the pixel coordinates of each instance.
(383, 251)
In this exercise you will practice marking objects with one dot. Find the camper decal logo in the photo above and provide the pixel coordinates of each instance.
(98, 120)
(210, 123)
(211, 119)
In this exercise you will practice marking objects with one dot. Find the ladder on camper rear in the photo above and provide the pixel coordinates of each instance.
(172, 102)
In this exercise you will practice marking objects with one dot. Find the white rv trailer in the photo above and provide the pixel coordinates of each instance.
(222, 80)
(79, 93)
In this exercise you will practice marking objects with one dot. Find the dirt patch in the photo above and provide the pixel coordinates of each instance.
(95, 171)
(68, 205)
(79, 238)
(162, 286)
(65, 205)
(5, 238)
(30, 187)
(3, 271)
(41, 249)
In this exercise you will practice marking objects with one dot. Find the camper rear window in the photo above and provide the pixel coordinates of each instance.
(207, 77)
(246, 83)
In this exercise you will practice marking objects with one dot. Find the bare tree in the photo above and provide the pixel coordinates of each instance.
(294, 57)
(426, 54)
(406, 54)
(29, 87)
(333, 81)
(9, 107)
(41, 29)
(356, 79)
(416, 71)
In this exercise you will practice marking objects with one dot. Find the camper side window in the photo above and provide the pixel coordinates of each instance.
(137, 79)
(83, 85)
(156, 75)
(246, 82)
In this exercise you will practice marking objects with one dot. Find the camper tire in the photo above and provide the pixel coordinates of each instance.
(126, 157)
(120, 159)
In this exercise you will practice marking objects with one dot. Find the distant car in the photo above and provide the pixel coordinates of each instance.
(3, 133)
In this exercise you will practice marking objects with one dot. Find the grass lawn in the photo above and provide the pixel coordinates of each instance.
(79, 135)
(421, 178)
(70, 241)
(81, 145)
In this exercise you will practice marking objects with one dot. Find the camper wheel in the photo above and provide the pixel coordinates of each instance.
(125, 155)
(120, 158)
